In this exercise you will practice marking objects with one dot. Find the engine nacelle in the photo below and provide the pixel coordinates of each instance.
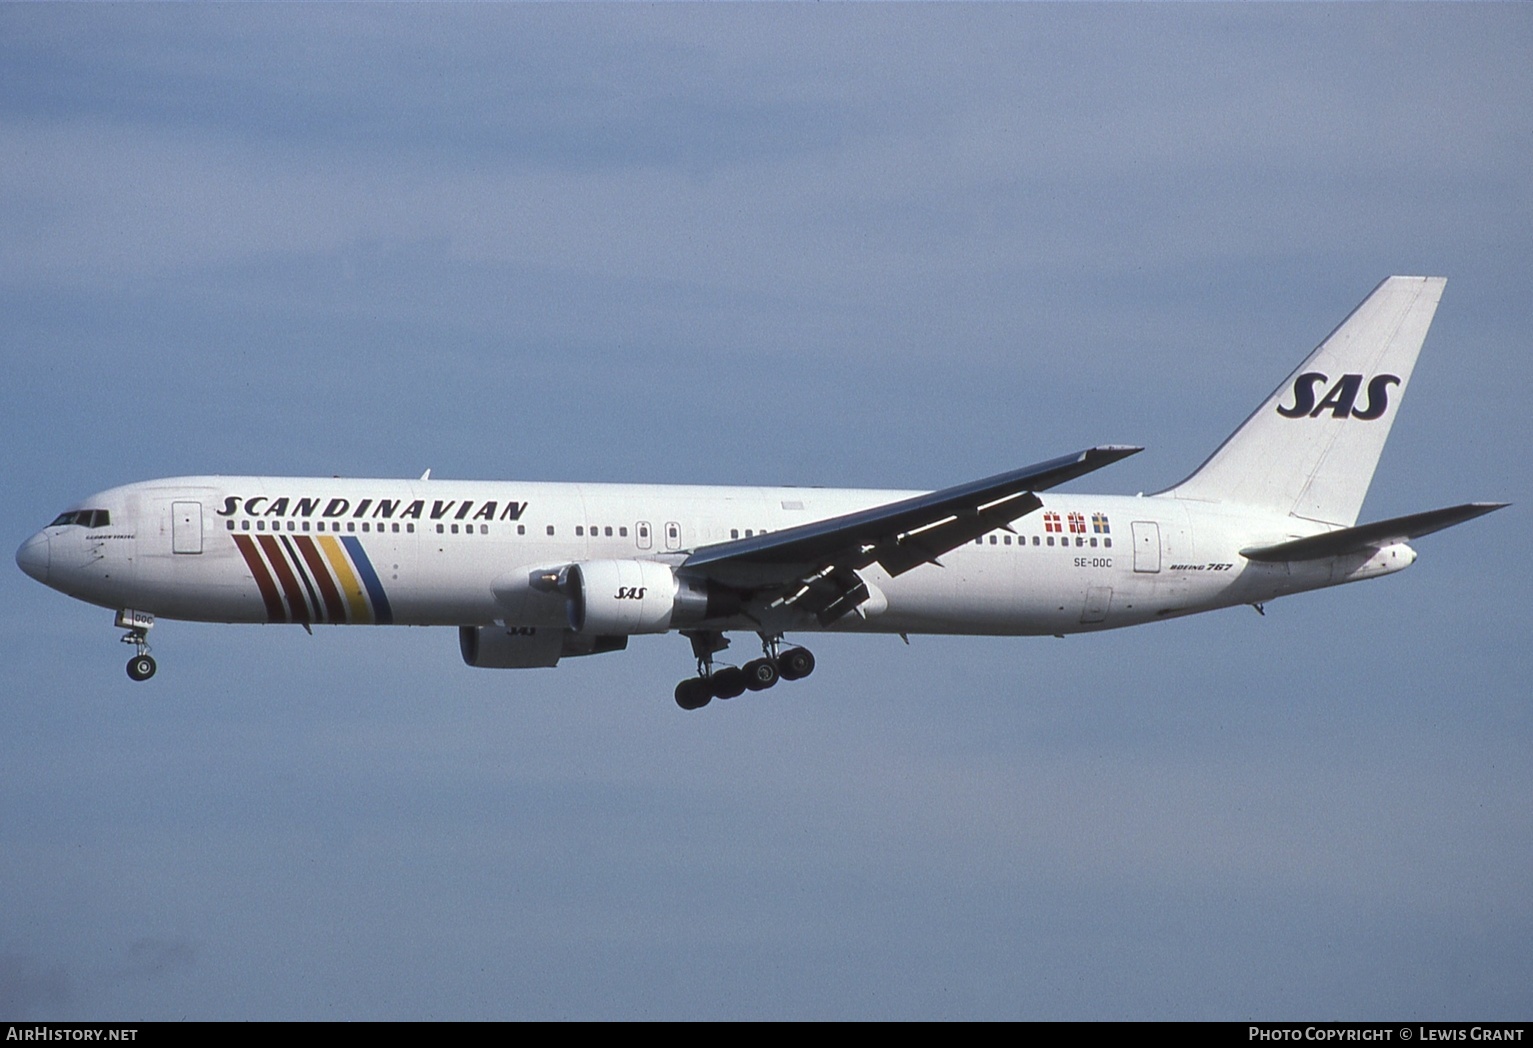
(639, 596)
(621, 596)
(528, 647)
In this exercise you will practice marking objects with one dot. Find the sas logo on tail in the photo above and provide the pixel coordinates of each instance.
(1341, 398)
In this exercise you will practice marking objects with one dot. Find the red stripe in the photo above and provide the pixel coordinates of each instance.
(274, 612)
(335, 607)
(290, 584)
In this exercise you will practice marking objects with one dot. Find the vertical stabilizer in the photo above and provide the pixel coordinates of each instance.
(1311, 448)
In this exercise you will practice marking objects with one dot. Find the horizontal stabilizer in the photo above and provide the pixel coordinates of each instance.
(1370, 536)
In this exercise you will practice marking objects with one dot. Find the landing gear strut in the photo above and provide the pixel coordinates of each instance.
(777, 663)
(138, 624)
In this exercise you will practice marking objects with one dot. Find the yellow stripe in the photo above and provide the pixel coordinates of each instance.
(346, 577)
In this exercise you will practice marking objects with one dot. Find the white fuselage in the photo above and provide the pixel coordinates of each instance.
(438, 552)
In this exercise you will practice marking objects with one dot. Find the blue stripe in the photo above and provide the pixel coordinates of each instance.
(382, 613)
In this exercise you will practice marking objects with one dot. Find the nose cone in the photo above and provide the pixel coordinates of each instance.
(33, 557)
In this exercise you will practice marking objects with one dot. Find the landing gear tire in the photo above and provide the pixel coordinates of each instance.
(728, 682)
(693, 693)
(795, 664)
(761, 674)
(141, 667)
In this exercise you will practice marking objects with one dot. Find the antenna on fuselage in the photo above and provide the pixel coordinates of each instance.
(426, 475)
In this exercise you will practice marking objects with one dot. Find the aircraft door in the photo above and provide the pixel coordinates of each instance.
(672, 535)
(186, 527)
(642, 535)
(1146, 546)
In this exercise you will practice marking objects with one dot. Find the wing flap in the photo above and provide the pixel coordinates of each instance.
(925, 546)
(1370, 536)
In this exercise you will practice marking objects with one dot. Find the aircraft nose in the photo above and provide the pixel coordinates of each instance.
(33, 557)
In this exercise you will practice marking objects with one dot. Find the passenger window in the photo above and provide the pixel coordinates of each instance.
(550, 529)
(231, 525)
(521, 529)
(607, 532)
(622, 533)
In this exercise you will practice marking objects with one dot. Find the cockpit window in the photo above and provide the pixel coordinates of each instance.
(86, 518)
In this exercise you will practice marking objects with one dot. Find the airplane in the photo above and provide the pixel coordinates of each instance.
(532, 573)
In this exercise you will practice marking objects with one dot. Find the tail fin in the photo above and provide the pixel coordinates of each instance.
(1311, 448)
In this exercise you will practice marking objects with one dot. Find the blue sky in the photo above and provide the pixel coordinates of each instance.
(847, 245)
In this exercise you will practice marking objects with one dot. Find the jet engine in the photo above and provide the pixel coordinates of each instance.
(528, 647)
(638, 596)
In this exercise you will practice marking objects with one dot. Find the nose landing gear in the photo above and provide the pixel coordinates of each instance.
(138, 624)
(777, 663)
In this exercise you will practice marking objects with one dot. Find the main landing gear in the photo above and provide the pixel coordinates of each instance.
(777, 663)
(138, 624)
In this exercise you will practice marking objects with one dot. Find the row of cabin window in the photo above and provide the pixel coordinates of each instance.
(1064, 540)
(521, 529)
(351, 525)
(441, 529)
(622, 532)
(383, 526)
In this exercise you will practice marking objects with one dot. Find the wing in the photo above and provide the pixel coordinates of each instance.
(815, 565)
